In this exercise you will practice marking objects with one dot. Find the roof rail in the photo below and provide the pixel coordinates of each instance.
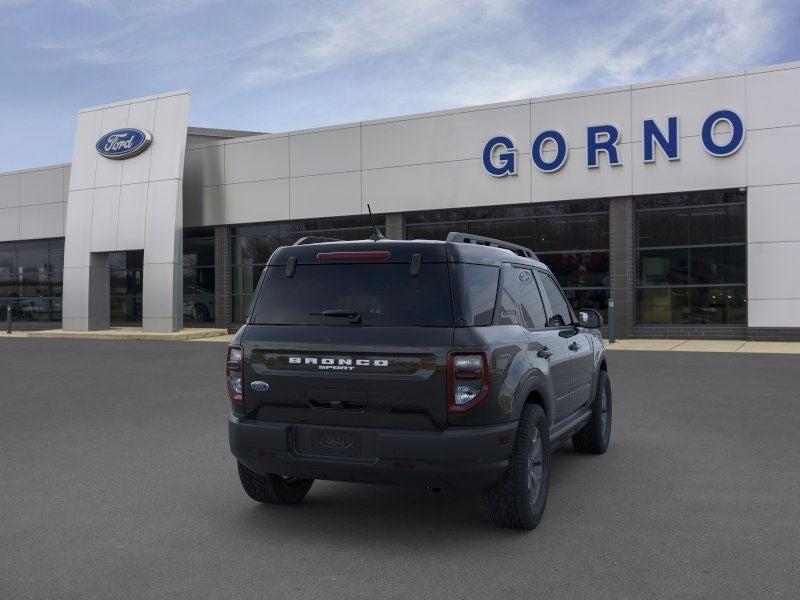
(313, 239)
(479, 240)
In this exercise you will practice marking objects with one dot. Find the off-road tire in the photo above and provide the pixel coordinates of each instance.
(514, 502)
(273, 489)
(596, 434)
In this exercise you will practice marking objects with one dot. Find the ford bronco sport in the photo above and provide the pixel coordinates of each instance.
(453, 365)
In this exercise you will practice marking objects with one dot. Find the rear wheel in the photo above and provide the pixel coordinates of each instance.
(273, 489)
(518, 500)
(595, 435)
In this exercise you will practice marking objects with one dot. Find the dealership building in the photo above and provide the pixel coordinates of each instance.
(677, 200)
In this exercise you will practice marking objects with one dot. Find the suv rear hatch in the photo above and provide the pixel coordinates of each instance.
(351, 334)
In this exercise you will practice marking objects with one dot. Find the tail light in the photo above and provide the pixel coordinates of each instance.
(467, 379)
(233, 374)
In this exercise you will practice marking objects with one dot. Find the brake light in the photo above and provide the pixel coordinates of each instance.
(467, 379)
(355, 256)
(233, 374)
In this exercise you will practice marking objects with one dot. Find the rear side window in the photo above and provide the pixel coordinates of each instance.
(561, 312)
(530, 300)
(382, 294)
(477, 292)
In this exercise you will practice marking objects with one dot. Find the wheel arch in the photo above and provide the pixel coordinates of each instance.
(535, 390)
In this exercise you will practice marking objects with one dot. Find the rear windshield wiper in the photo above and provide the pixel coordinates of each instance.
(353, 315)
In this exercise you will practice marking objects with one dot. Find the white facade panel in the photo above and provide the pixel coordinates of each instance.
(204, 166)
(109, 172)
(9, 190)
(773, 99)
(257, 201)
(572, 115)
(85, 157)
(105, 218)
(575, 180)
(162, 235)
(169, 137)
(329, 195)
(773, 213)
(772, 270)
(204, 206)
(141, 115)
(773, 313)
(257, 160)
(692, 101)
(79, 214)
(696, 170)
(9, 224)
(132, 212)
(43, 186)
(41, 221)
(442, 185)
(773, 156)
(443, 138)
(326, 151)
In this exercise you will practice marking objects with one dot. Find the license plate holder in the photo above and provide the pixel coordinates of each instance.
(343, 443)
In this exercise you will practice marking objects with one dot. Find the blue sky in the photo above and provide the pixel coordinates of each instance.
(277, 66)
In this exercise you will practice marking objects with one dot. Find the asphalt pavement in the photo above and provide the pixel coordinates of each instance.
(116, 482)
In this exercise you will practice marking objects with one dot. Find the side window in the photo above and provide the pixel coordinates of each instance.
(530, 301)
(507, 305)
(561, 312)
(480, 292)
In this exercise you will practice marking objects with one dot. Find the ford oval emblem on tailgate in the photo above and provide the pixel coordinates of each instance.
(259, 386)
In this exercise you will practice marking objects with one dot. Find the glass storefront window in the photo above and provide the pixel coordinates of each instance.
(30, 279)
(199, 277)
(252, 245)
(691, 259)
(572, 238)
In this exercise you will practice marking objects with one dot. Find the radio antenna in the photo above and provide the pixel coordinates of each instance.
(377, 236)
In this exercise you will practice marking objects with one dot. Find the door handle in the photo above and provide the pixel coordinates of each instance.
(545, 352)
(574, 346)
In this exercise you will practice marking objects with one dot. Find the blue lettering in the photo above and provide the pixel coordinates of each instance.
(507, 158)
(652, 135)
(736, 140)
(561, 151)
(607, 143)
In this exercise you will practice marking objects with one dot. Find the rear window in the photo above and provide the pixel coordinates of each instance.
(384, 295)
(477, 293)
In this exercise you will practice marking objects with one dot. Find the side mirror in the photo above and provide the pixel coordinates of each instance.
(590, 318)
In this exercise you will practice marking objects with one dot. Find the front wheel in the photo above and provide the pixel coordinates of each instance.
(273, 489)
(596, 434)
(519, 499)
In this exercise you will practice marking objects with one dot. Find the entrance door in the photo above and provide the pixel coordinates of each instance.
(126, 287)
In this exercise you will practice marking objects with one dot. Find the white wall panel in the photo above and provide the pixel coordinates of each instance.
(41, 221)
(575, 180)
(163, 202)
(443, 138)
(204, 166)
(109, 171)
(79, 214)
(9, 224)
(442, 185)
(772, 270)
(692, 101)
(204, 206)
(696, 170)
(328, 151)
(132, 212)
(169, 137)
(773, 313)
(44, 186)
(257, 160)
(84, 157)
(773, 99)
(773, 213)
(141, 115)
(325, 195)
(105, 218)
(9, 190)
(572, 115)
(773, 156)
(257, 201)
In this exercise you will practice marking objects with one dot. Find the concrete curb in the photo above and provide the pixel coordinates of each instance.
(124, 333)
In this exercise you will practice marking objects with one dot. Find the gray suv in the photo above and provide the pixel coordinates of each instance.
(454, 365)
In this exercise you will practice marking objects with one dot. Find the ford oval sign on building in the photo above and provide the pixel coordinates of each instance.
(124, 143)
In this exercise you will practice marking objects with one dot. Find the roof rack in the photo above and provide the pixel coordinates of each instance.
(479, 240)
(313, 239)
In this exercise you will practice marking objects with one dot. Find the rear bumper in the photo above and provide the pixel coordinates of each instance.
(460, 459)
